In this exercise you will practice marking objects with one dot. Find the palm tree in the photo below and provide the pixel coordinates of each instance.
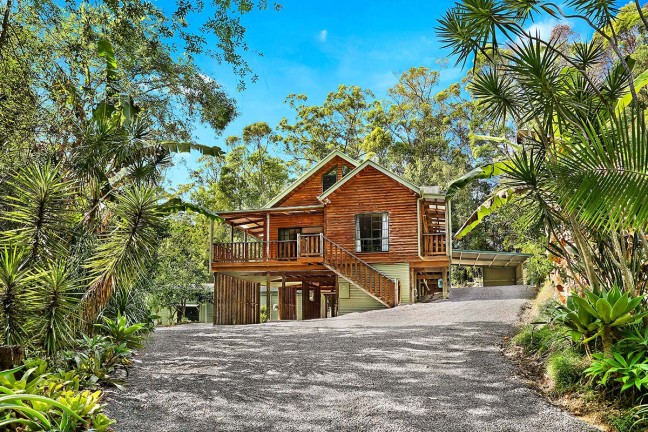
(580, 164)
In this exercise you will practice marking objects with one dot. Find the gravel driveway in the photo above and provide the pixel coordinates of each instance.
(424, 367)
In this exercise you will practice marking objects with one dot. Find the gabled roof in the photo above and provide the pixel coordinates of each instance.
(309, 173)
(358, 169)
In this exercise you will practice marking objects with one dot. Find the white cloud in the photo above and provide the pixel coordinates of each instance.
(542, 28)
(323, 35)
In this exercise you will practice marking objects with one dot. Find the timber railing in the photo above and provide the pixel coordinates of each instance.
(349, 266)
(334, 256)
(434, 244)
(306, 246)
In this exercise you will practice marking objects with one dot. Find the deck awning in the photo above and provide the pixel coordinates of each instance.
(254, 221)
(488, 258)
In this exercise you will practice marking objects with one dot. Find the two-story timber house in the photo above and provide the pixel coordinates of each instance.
(344, 237)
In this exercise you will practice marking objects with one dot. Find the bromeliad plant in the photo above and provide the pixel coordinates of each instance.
(599, 314)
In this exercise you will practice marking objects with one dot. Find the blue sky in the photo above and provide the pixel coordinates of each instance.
(311, 47)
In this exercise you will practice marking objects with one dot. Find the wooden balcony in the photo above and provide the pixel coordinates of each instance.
(434, 244)
(307, 247)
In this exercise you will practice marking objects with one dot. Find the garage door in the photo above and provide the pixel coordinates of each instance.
(498, 276)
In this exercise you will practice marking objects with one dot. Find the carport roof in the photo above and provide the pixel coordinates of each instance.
(488, 258)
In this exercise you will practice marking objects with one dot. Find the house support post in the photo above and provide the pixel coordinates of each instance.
(445, 283)
(268, 294)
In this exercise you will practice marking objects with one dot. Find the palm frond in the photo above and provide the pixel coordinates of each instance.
(488, 207)
(125, 249)
(604, 173)
(175, 205)
(484, 172)
(185, 147)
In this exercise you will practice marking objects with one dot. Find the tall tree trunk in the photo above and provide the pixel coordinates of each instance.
(11, 355)
(606, 338)
(4, 31)
(583, 248)
(618, 241)
(641, 14)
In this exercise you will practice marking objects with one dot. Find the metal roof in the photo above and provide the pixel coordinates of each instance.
(488, 258)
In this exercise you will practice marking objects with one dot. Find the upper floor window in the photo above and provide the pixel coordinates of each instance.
(372, 232)
(329, 179)
(345, 170)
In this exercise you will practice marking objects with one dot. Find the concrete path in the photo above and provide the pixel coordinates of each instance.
(424, 367)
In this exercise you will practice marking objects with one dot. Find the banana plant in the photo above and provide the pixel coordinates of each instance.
(597, 314)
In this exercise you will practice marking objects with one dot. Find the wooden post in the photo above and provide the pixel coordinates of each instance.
(216, 299)
(267, 238)
(445, 283)
(282, 294)
(268, 302)
(211, 243)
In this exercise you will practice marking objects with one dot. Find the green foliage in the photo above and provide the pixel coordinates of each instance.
(540, 340)
(627, 421)
(577, 163)
(565, 369)
(263, 314)
(537, 267)
(122, 333)
(639, 416)
(598, 313)
(59, 293)
(625, 371)
(14, 296)
(38, 398)
(98, 359)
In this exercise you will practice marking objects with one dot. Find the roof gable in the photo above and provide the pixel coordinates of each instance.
(361, 167)
(308, 174)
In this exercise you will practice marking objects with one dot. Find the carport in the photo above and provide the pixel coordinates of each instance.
(499, 268)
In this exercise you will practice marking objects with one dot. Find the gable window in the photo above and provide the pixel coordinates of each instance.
(329, 179)
(345, 170)
(372, 232)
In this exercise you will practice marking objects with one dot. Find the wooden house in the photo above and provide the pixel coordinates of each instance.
(344, 237)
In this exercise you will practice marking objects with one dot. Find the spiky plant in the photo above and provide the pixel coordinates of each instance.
(57, 291)
(126, 248)
(16, 310)
(40, 216)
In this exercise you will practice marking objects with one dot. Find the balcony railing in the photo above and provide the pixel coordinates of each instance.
(306, 246)
(434, 244)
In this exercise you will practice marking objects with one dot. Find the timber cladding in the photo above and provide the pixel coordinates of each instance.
(307, 192)
(293, 221)
(236, 301)
(367, 192)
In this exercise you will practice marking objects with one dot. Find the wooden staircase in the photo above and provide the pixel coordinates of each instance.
(359, 273)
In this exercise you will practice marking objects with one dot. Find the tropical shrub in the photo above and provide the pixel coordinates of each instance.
(34, 398)
(599, 313)
(625, 371)
(120, 332)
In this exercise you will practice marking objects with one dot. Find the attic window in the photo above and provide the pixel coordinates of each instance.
(329, 179)
(345, 170)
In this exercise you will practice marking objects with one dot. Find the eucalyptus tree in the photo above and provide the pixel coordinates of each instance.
(580, 165)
